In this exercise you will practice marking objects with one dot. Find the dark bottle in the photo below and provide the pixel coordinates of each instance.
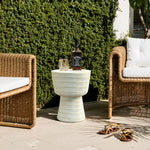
(76, 57)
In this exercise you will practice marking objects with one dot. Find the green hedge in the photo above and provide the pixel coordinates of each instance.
(47, 29)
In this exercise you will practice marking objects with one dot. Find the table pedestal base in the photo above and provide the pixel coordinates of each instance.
(71, 109)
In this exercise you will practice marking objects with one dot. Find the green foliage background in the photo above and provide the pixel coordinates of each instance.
(47, 29)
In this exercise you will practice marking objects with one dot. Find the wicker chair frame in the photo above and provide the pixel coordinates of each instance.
(18, 107)
(125, 91)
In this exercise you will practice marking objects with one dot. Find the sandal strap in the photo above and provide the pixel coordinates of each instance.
(127, 132)
(115, 124)
(109, 127)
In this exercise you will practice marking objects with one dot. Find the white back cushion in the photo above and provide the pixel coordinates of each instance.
(138, 52)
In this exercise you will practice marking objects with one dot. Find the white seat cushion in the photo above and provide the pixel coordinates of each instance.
(11, 83)
(136, 72)
(138, 52)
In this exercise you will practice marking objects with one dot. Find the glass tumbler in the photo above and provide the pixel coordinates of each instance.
(63, 64)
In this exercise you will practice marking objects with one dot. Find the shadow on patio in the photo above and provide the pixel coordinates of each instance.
(135, 117)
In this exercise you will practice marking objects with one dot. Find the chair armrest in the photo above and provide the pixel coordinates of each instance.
(121, 53)
(115, 70)
(18, 65)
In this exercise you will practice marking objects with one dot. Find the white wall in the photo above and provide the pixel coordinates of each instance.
(122, 20)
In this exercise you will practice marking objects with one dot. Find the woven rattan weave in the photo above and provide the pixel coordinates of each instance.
(18, 107)
(125, 91)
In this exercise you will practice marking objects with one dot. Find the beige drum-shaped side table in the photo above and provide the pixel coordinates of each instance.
(71, 85)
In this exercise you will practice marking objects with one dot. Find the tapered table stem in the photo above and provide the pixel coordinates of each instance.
(71, 109)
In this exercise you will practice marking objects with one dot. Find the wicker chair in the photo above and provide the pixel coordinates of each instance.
(125, 91)
(18, 106)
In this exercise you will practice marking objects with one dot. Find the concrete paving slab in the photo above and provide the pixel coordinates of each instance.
(51, 134)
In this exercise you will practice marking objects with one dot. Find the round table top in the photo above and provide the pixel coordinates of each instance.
(72, 71)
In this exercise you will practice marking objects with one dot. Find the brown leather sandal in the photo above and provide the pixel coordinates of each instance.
(110, 128)
(126, 135)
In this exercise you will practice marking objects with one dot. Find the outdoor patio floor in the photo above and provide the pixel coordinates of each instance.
(51, 134)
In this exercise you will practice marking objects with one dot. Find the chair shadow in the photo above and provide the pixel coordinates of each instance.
(96, 110)
(99, 110)
(93, 110)
(49, 113)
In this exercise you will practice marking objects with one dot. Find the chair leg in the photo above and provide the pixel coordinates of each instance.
(109, 113)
